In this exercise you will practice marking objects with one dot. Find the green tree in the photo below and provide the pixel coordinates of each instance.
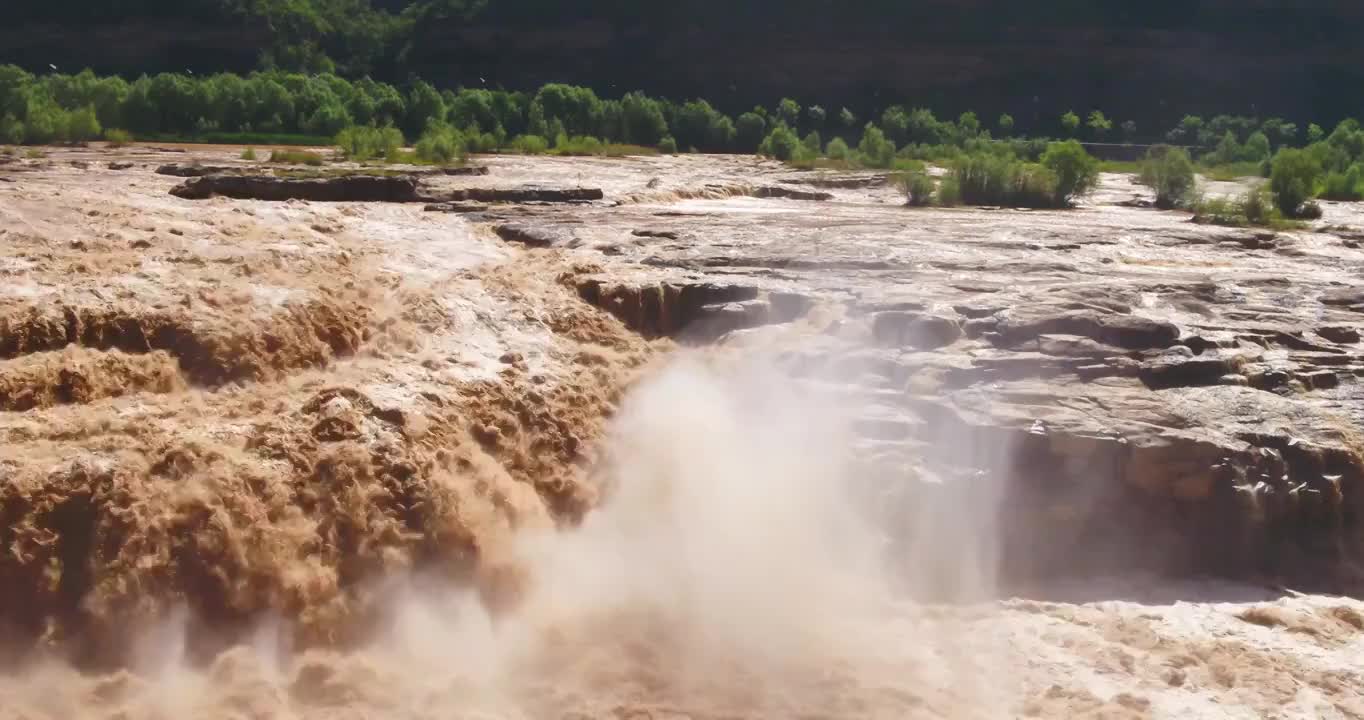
(1187, 132)
(846, 119)
(14, 86)
(442, 144)
(926, 129)
(328, 120)
(813, 143)
(1099, 125)
(1227, 151)
(1076, 172)
(1256, 147)
(12, 131)
(424, 103)
(875, 150)
(1293, 180)
(788, 111)
(1315, 134)
(83, 124)
(699, 125)
(472, 109)
(577, 109)
(642, 121)
(1070, 123)
(895, 124)
(1170, 172)
(781, 143)
(837, 150)
(1279, 131)
(968, 124)
(1005, 125)
(750, 131)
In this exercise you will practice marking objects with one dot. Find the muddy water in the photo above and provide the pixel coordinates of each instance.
(305, 460)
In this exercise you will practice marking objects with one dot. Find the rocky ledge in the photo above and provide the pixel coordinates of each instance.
(1114, 386)
(360, 187)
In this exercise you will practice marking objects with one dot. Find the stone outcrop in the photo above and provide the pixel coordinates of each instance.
(524, 194)
(195, 170)
(348, 188)
(360, 187)
(694, 313)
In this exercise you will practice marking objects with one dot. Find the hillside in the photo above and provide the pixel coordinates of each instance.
(1153, 63)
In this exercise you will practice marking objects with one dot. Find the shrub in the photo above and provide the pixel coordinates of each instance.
(367, 142)
(1070, 122)
(1005, 124)
(117, 138)
(11, 130)
(837, 150)
(750, 131)
(1256, 148)
(1293, 177)
(667, 145)
(296, 157)
(1220, 211)
(476, 142)
(249, 154)
(1170, 172)
(1076, 172)
(949, 192)
(1256, 207)
(875, 150)
(1343, 186)
(918, 188)
(781, 144)
(1228, 151)
(1099, 124)
(579, 145)
(812, 143)
(982, 179)
(530, 145)
(642, 119)
(441, 144)
(44, 124)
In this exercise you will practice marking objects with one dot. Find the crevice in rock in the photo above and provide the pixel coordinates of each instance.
(694, 313)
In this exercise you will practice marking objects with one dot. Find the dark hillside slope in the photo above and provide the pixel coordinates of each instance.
(1149, 61)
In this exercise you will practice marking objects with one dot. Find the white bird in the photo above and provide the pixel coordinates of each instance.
(54, 67)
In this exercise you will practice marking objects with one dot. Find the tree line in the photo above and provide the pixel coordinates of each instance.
(61, 107)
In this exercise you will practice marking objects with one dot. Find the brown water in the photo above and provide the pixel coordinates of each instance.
(391, 467)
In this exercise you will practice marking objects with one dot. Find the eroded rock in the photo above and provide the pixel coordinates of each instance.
(915, 330)
(348, 188)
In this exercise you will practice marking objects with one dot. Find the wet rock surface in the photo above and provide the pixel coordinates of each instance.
(1138, 378)
(262, 408)
(349, 188)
